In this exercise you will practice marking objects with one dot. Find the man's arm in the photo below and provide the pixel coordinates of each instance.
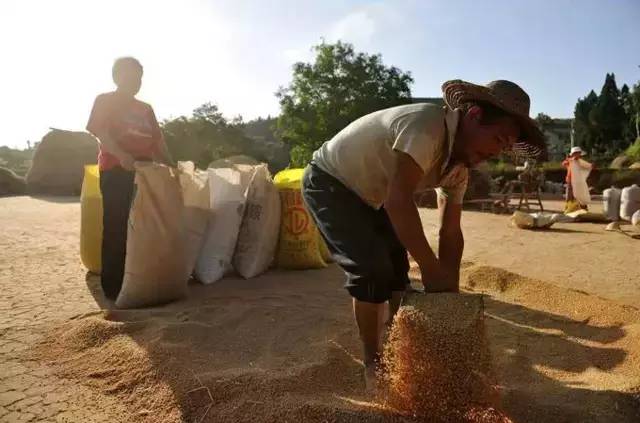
(403, 213)
(451, 239)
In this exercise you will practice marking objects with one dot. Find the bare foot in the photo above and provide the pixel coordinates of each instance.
(371, 379)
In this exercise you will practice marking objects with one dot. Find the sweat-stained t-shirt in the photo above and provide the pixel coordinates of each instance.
(363, 155)
(129, 122)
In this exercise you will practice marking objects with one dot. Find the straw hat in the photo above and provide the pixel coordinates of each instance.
(507, 96)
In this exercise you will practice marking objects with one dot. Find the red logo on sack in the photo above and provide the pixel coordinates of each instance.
(297, 220)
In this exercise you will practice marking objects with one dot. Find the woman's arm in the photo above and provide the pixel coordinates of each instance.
(98, 126)
(161, 153)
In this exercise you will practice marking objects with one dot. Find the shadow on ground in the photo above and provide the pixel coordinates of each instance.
(57, 199)
(534, 351)
(282, 347)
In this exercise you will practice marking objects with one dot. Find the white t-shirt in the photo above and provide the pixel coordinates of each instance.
(363, 155)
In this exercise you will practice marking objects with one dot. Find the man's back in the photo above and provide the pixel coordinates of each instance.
(362, 155)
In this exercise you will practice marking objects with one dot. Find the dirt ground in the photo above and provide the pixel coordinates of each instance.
(563, 329)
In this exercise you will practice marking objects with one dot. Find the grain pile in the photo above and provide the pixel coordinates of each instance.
(548, 297)
(101, 353)
(437, 365)
(560, 354)
(216, 358)
(283, 348)
(10, 183)
(58, 162)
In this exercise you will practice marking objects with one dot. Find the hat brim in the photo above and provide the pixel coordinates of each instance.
(531, 143)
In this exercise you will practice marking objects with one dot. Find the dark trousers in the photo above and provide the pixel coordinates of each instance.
(361, 239)
(117, 193)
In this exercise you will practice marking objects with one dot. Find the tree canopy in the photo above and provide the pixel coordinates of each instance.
(544, 121)
(607, 123)
(339, 86)
(205, 136)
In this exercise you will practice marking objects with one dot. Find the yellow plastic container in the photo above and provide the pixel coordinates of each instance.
(299, 246)
(91, 220)
(289, 179)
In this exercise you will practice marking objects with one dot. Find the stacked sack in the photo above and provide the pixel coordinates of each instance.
(258, 234)
(155, 270)
(186, 222)
(611, 203)
(243, 223)
(195, 195)
(227, 200)
(629, 201)
(300, 246)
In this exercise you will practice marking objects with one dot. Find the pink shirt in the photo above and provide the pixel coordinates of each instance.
(129, 122)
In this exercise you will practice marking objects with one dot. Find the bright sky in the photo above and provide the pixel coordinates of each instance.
(57, 55)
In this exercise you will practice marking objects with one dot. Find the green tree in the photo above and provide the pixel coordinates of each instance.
(629, 127)
(340, 86)
(209, 113)
(544, 121)
(634, 109)
(205, 136)
(585, 131)
(18, 161)
(609, 116)
(266, 142)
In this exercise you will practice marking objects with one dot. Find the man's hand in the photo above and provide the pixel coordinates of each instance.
(437, 279)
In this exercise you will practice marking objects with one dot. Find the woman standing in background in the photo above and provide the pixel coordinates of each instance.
(577, 193)
(128, 132)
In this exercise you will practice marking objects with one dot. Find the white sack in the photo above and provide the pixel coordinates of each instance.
(258, 237)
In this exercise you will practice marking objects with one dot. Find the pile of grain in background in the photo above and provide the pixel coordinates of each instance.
(58, 163)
